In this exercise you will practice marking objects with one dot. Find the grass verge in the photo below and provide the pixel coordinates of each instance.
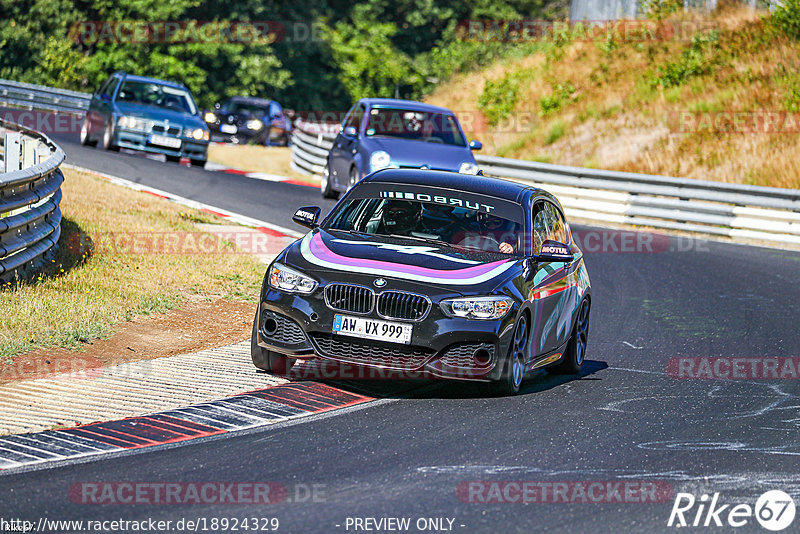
(111, 265)
(253, 158)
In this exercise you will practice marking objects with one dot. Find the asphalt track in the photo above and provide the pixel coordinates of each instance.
(625, 419)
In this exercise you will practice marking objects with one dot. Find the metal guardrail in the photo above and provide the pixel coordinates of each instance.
(30, 194)
(31, 96)
(712, 208)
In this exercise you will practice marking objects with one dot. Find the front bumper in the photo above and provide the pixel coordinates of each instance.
(301, 326)
(240, 138)
(138, 140)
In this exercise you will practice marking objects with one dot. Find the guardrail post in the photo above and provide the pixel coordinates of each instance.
(12, 149)
(41, 153)
(28, 155)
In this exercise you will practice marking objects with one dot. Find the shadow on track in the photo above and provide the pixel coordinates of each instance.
(420, 388)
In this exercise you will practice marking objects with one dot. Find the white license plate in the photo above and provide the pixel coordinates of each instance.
(372, 329)
(163, 140)
(228, 128)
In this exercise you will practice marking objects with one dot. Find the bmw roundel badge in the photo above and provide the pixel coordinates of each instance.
(379, 282)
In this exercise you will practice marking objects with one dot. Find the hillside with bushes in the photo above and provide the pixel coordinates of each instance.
(710, 96)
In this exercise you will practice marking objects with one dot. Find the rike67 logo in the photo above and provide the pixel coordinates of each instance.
(774, 510)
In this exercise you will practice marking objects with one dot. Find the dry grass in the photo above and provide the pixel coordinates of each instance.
(91, 285)
(252, 158)
(618, 118)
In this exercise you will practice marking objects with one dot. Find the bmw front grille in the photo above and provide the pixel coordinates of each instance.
(350, 298)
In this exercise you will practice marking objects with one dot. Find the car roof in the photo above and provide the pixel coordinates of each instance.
(412, 105)
(145, 79)
(482, 185)
(251, 100)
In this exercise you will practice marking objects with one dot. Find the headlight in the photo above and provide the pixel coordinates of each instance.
(468, 168)
(132, 123)
(197, 133)
(379, 160)
(289, 280)
(254, 124)
(209, 117)
(485, 308)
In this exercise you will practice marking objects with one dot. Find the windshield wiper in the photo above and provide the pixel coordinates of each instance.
(431, 240)
(352, 232)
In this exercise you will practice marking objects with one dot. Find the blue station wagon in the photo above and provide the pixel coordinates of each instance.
(146, 114)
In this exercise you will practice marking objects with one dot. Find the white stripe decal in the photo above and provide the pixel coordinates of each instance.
(479, 279)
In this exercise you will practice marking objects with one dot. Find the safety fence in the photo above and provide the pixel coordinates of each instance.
(741, 212)
(40, 97)
(30, 194)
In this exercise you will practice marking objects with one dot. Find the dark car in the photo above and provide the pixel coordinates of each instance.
(432, 273)
(380, 133)
(245, 119)
(146, 114)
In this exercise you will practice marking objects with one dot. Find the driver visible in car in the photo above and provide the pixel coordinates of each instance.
(496, 229)
(399, 217)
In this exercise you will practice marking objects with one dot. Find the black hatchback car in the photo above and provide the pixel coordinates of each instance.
(431, 272)
(244, 119)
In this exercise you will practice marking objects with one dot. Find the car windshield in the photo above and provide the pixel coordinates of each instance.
(427, 126)
(154, 94)
(244, 107)
(470, 228)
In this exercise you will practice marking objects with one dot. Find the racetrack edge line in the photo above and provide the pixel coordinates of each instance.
(229, 215)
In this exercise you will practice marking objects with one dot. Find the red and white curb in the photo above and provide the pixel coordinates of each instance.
(247, 410)
(216, 167)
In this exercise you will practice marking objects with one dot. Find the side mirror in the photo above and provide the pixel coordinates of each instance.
(105, 98)
(307, 216)
(475, 145)
(555, 251)
(350, 131)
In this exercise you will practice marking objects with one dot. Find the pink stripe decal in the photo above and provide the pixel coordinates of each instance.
(320, 251)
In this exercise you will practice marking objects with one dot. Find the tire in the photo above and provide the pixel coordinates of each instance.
(514, 363)
(325, 184)
(576, 347)
(173, 159)
(198, 163)
(108, 138)
(86, 139)
(265, 359)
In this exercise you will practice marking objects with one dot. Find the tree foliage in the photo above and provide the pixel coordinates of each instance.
(327, 52)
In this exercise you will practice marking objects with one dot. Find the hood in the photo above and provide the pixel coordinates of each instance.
(356, 256)
(185, 120)
(405, 153)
